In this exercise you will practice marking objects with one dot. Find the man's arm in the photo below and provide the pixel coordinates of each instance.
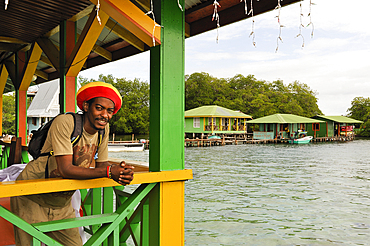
(122, 174)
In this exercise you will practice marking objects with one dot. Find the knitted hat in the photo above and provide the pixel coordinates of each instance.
(99, 89)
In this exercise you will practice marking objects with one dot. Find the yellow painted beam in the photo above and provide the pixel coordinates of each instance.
(11, 40)
(187, 30)
(3, 78)
(133, 19)
(125, 34)
(46, 60)
(85, 43)
(38, 186)
(27, 48)
(101, 51)
(52, 32)
(42, 74)
(50, 50)
(172, 213)
(31, 66)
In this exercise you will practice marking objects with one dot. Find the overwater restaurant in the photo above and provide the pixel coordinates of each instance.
(46, 40)
(333, 126)
(281, 126)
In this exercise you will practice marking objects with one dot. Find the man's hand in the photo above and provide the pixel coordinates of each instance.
(122, 173)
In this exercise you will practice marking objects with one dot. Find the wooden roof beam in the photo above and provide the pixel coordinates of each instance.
(11, 40)
(10, 67)
(131, 18)
(42, 74)
(51, 51)
(85, 43)
(125, 34)
(82, 13)
(145, 4)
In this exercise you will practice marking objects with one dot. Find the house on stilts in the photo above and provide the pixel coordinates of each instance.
(333, 127)
(280, 126)
(215, 120)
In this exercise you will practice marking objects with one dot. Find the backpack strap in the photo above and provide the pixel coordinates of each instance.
(78, 120)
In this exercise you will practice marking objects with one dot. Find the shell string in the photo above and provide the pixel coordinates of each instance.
(155, 24)
(215, 16)
(278, 7)
(300, 25)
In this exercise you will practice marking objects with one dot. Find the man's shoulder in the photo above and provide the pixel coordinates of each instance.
(63, 117)
(62, 121)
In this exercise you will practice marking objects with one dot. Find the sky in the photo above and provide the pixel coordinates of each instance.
(333, 62)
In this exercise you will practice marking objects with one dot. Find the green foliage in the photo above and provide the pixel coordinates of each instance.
(250, 96)
(133, 117)
(9, 114)
(247, 94)
(360, 110)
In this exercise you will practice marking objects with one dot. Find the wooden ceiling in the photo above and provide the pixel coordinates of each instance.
(25, 21)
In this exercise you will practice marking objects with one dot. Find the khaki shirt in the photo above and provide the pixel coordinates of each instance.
(59, 140)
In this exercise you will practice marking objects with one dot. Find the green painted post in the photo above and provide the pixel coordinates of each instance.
(167, 91)
(96, 205)
(145, 224)
(107, 206)
(166, 102)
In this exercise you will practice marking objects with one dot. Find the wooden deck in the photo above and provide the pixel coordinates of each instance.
(237, 140)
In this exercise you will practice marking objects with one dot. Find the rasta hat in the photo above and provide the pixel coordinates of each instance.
(99, 89)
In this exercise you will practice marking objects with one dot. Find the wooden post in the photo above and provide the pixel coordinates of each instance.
(15, 153)
(166, 210)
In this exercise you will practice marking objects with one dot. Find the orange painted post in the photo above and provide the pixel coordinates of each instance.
(70, 81)
(21, 99)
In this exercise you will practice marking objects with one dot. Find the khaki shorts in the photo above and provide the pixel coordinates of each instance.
(32, 212)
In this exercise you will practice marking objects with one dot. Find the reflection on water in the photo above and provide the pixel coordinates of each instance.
(315, 194)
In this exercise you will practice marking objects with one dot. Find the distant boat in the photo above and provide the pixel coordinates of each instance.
(302, 138)
(119, 146)
(214, 137)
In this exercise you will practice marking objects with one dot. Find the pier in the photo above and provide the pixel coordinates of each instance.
(238, 139)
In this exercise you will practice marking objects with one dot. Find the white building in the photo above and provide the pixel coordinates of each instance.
(44, 106)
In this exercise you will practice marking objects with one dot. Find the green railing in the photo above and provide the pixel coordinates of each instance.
(111, 215)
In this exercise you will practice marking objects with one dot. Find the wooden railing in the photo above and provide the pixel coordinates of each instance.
(110, 227)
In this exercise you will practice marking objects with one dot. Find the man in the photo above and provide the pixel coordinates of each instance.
(99, 102)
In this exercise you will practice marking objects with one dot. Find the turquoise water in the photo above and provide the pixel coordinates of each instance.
(315, 194)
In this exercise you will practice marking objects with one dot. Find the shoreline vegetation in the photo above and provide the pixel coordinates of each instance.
(247, 94)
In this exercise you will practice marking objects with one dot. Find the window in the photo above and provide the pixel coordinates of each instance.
(316, 126)
(196, 122)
